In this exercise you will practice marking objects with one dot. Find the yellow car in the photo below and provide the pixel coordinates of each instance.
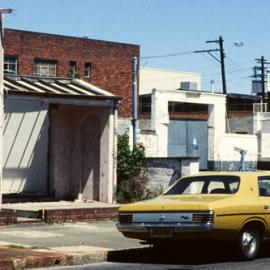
(232, 206)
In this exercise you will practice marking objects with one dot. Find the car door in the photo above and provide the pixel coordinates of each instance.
(264, 198)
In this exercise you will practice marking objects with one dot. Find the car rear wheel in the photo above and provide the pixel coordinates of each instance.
(248, 243)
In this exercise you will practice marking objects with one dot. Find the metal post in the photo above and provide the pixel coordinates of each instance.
(134, 99)
(242, 160)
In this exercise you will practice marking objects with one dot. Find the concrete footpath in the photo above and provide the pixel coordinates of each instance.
(47, 245)
(15, 258)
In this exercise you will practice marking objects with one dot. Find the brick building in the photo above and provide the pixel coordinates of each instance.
(107, 65)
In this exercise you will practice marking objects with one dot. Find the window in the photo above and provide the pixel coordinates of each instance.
(145, 104)
(45, 68)
(176, 107)
(264, 186)
(73, 66)
(10, 65)
(222, 184)
(72, 69)
(188, 85)
(87, 70)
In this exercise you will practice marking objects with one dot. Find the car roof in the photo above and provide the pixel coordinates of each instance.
(235, 173)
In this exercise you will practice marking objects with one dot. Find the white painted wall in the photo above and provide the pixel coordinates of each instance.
(220, 144)
(150, 142)
(261, 127)
(25, 146)
(228, 142)
(151, 78)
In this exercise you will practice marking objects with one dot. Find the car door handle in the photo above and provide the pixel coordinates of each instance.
(266, 207)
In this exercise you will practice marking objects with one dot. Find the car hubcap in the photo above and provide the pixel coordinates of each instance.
(249, 243)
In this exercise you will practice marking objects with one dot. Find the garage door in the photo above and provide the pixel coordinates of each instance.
(188, 139)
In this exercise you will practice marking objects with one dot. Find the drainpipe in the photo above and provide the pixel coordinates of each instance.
(134, 99)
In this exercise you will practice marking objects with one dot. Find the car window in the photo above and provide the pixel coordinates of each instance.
(264, 186)
(215, 185)
(221, 184)
(234, 186)
(194, 187)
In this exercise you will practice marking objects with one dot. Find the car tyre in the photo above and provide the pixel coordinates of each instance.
(248, 243)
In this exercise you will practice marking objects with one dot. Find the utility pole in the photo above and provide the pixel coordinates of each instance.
(262, 62)
(221, 60)
(2, 11)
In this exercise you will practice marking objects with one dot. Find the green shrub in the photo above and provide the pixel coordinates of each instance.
(131, 179)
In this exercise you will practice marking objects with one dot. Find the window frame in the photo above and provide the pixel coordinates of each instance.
(47, 65)
(87, 70)
(185, 182)
(11, 57)
(260, 178)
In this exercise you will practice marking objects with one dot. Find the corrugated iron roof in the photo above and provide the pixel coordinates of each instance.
(53, 86)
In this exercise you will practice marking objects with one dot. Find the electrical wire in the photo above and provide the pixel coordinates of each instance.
(167, 55)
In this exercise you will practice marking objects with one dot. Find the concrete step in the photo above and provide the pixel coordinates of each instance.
(24, 220)
(58, 212)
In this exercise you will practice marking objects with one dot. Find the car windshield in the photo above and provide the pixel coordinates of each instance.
(221, 184)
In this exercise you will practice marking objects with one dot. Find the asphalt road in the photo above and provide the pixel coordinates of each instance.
(260, 264)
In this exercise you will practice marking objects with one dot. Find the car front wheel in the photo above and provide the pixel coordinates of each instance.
(248, 243)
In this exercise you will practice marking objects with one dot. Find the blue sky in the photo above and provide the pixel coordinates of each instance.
(162, 27)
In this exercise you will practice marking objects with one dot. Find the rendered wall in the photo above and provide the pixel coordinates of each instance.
(151, 78)
(26, 127)
(221, 145)
(261, 127)
(82, 153)
(228, 156)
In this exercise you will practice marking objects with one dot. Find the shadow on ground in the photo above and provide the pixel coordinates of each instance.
(177, 254)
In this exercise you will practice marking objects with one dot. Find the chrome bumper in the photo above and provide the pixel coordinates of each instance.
(176, 227)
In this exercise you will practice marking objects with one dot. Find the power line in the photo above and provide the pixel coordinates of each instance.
(167, 55)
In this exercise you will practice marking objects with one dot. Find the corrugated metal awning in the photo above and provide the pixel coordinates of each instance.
(54, 87)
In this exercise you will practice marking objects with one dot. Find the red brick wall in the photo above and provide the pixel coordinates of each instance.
(111, 62)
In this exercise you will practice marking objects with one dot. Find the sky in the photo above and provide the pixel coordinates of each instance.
(162, 27)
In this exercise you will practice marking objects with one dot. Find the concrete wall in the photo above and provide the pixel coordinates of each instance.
(65, 151)
(124, 126)
(165, 171)
(26, 127)
(81, 163)
(151, 78)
